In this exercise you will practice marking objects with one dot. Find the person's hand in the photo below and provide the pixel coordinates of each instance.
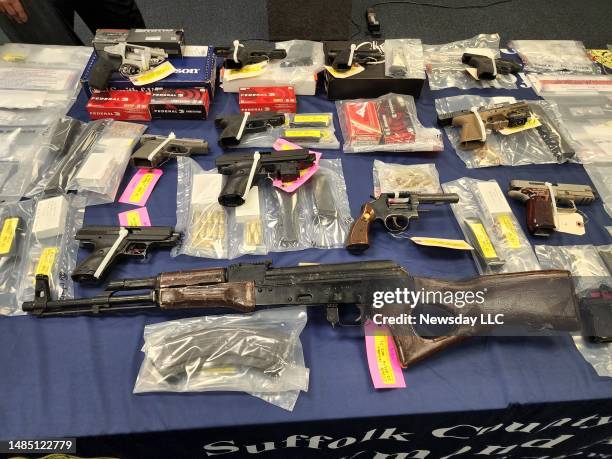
(14, 9)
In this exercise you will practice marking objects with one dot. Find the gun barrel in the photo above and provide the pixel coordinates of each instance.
(265, 157)
(94, 305)
(438, 198)
(132, 284)
(425, 197)
(136, 233)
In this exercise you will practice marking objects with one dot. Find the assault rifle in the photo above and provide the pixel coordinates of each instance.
(246, 287)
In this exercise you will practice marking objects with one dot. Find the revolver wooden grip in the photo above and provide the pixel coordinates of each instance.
(358, 238)
(533, 300)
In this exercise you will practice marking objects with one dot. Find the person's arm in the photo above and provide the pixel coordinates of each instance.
(14, 10)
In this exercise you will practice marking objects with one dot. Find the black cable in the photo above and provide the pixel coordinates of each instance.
(437, 5)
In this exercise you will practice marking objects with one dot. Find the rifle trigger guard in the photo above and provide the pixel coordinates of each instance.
(332, 315)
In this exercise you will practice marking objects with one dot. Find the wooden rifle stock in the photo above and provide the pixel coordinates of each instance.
(536, 299)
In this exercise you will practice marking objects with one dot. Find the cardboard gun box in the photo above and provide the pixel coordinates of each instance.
(196, 69)
(368, 84)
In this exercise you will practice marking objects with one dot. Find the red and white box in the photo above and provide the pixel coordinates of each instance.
(180, 104)
(362, 123)
(267, 99)
(120, 105)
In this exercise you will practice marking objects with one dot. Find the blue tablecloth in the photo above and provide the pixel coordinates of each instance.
(74, 377)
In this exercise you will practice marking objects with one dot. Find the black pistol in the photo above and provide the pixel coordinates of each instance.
(343, 59)
(245, 170)
(112, 242)
(236, 126)
(487, 68)
(155, 150)
(240, 54)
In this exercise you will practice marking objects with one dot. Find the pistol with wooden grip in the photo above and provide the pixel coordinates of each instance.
(544, 199)
(537, 300)
(475, 122)
(394, 210)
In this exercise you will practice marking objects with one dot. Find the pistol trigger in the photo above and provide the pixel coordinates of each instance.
(566, 206)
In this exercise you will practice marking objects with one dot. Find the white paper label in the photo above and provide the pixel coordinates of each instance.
(96, 168)
(503, 100)
(195, 51)
(250, 208)
(36, 78)
(22, 99)
(206, 188)
(493, 198)
(570, 223)
(50, 217)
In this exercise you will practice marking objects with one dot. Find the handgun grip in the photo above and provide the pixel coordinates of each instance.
(358, 238)
(471, 136)
(102, 70)
(85, 272)
(513, 295)
(540, 215)
(234, 190)
(482, 64)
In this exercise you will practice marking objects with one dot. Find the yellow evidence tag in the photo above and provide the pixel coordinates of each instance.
(141, 187)
(302, 133)
(354, 70)
(133, 218)
(456, 244)
(321, 120)
(46, 261)
(531, 123)
(247, 71)
(509, 231)
(383, 359)
(160, 72)
(482, 238)
(8, 57)
(7, 235)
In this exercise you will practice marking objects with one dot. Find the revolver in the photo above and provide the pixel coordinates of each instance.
(238, 55)
(543, 201)
(235, 126)
(474, 123)
(394, 210)
(487, 68)
(245, 170)
(129, 52)
(112, 242)
(126, 59)
(155, 150)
